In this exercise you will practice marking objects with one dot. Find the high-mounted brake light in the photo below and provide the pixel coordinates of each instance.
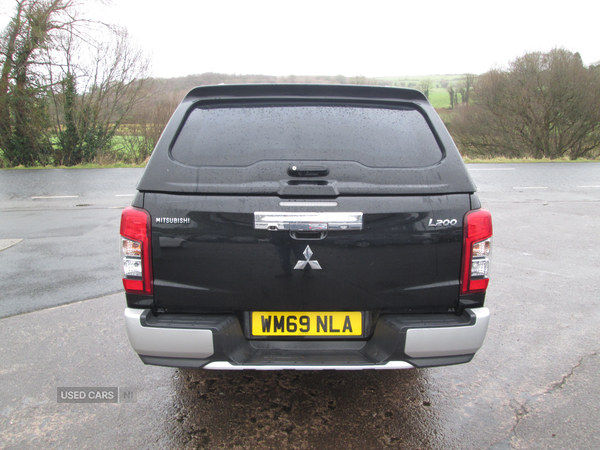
(135, 250)
(477, 246)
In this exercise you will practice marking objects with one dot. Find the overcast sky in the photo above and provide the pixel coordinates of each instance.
(376, 38)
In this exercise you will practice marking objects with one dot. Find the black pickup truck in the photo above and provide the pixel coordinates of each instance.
(305, 227)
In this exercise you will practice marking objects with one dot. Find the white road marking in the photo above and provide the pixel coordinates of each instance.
(530, 187)
(58, 196)
(124, 195)
(7, 243)
(511, 168)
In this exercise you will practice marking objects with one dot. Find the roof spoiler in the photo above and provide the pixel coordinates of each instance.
(342, 91)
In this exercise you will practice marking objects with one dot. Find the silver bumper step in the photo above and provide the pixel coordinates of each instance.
(188, 341)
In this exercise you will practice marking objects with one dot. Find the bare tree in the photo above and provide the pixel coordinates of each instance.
(544, 105)
(97, 93)
(145, 126)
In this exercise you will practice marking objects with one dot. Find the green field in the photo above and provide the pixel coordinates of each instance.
(438, 95)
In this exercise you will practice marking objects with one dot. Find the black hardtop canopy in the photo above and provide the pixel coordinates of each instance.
(167, 172)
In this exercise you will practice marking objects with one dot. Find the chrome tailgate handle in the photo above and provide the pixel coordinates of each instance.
(308, 221)
(308, 226)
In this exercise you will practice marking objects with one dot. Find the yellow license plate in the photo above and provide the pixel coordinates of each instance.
(302, 323)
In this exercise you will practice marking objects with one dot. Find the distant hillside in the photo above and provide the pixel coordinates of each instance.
(182, 85)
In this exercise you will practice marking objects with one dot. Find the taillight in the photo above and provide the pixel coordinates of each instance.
(477, 246)
(135, 250)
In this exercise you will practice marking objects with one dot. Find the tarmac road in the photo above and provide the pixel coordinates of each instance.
(64, 227)
(533, 385)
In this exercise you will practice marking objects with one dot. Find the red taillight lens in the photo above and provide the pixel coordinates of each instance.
(477, 242)
(135, 250)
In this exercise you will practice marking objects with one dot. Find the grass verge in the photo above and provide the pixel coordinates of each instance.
(503, 160)
(117, 165)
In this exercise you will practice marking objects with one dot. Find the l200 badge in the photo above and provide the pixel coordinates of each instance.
(442, 223)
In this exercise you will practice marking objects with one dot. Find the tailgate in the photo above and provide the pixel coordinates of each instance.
(232, 254)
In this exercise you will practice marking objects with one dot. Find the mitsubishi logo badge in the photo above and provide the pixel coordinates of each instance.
(308, 254)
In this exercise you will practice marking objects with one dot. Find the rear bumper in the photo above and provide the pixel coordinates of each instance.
(217, 342)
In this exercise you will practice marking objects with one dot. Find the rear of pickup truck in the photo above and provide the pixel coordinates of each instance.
(305, 227)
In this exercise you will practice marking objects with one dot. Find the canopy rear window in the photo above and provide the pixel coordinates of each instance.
(241, 136)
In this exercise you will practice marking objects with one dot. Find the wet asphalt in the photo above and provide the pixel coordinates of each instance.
(533, 385)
